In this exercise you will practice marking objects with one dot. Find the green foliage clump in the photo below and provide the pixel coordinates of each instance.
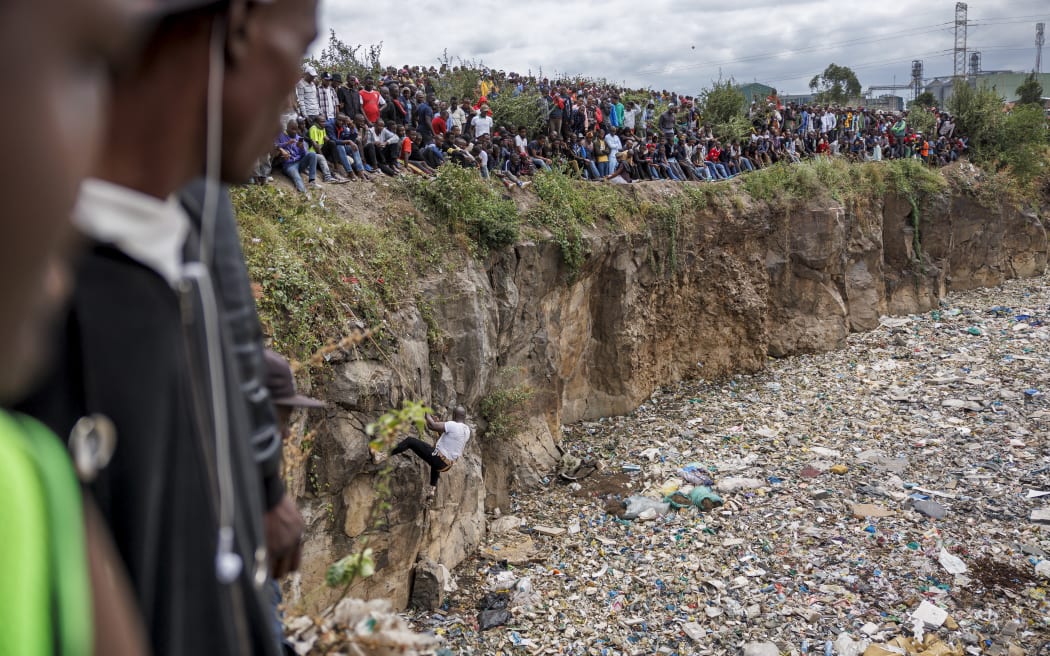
(469, 205)
(386, 430)
(349, 60)
(793, 183)
(722, 101)
(665, 221)
(722, 107)
(846, 182)
(912, 178)
(1030, 92)
(978, 113)
(1015, 140)
(567, 205)
(345, 571)
(320, 275)
(737, 128)
(1023, 138)
(527, 108)
(923, 121)
(561, 210)
(773, 183)
(926, 99)
(504, 411)
(460, 82)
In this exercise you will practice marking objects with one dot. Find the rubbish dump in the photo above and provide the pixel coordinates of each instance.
(888, 499)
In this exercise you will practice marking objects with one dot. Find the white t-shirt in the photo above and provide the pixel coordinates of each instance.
(482, 125)
(453, 440)
(628, 118)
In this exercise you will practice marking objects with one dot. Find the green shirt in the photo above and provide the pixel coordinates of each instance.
(317, 135)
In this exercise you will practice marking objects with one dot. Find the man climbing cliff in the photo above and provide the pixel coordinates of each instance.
(449, 447)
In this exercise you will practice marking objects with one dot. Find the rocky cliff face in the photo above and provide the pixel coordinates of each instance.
(736, 284)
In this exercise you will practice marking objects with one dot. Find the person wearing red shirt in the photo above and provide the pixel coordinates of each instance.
(370, 101)
(406, 144)
(716, 167)
(440, 123)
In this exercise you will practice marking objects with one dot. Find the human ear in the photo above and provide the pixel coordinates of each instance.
(237, 29)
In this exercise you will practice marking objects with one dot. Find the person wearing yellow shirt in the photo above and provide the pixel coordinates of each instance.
(316, 137)
(488, 87)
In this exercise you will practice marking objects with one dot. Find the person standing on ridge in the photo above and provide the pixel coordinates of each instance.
(449, 448)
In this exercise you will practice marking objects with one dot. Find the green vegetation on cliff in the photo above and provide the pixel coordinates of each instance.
(321, 274)
(327, 266)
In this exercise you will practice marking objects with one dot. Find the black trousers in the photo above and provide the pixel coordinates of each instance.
(427, 453)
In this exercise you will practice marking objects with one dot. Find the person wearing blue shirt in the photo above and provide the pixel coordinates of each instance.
(296, 157)
(587, 159)
(424, 117)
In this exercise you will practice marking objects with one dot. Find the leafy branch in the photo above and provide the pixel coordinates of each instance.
(384, 433)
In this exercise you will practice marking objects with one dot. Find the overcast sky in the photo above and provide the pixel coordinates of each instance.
(682, 45)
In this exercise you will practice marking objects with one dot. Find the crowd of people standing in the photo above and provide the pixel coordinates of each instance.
(394, 123)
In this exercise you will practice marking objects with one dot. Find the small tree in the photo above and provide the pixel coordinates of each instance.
(722, 102)
(837, 84)
(722, 107)
(459, 81)
(922, 120)
(528, 109)
(926, 99)
(342, 57)
(979, 114)
(1030, 92)
(1022, 142)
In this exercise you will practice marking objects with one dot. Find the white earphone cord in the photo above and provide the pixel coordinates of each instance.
(228, 564)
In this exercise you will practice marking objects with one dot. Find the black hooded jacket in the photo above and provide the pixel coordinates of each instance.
(135, 350)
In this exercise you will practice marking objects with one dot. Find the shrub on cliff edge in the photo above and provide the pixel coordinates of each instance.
(467, 204)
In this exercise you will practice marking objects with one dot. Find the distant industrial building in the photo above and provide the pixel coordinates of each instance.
(755, 92)
(799, 98)
(1004, 83)
(888, 102)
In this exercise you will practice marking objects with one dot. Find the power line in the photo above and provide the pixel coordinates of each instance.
(947, 26)
(1008, 20)
(872, 64)
(918, 31)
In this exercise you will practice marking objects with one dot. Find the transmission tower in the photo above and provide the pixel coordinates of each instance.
(960, 39)
(975, 63)
(1040, 39)
(916, 78)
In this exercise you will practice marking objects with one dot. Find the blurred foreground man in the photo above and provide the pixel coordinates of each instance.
(61, 585)
(162, 341)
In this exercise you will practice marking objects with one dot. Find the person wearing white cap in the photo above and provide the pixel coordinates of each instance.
(309, 103)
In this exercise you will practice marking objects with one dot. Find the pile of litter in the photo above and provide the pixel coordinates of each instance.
(360, 628)
(892, 498)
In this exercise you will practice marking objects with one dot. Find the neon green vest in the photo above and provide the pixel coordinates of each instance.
(45, 598)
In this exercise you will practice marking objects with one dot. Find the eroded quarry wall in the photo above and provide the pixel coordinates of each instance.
(735, 285)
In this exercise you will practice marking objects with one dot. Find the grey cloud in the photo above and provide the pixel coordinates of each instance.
(651, 43)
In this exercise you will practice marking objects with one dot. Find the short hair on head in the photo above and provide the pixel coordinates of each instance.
(459, 413)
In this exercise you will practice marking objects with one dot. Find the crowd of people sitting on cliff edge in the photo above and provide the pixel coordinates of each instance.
(344, 128)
